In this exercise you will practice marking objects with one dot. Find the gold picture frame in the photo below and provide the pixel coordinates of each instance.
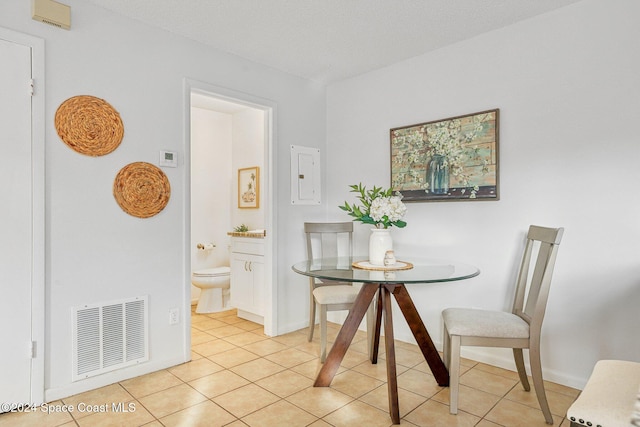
(249, 188)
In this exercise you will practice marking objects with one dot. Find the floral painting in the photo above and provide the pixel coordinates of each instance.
(450, 159)
(248, 187)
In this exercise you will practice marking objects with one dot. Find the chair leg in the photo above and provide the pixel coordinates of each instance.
(538, 383)
(312, 317)
(454, 373)
(522, 372)
(323, 333)
(446, 345)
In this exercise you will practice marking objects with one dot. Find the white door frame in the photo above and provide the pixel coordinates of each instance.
(38, 308)
(269, 108)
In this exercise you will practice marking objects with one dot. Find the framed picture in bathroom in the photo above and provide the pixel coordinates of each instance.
(249, 188)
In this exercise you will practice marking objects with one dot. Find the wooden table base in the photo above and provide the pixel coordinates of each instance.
(350, 327)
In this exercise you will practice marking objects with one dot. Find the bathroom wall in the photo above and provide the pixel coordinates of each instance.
(248, 151)
(221, 143)
(211, 188)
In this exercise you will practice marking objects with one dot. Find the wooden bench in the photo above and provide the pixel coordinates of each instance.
(610, 396)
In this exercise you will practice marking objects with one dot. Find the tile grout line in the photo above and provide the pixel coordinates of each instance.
(291, 352)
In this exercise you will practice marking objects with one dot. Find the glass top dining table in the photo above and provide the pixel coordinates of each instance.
(410, 270)
(383, 283)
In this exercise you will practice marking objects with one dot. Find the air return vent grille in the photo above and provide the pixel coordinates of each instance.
(109, 336)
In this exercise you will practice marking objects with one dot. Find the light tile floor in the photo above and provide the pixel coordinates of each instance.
(240, 377)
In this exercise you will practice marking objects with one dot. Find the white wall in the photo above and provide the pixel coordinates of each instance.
(96, 252)
(221, 143)
(248, 151)
(568, 91)
(211, 182)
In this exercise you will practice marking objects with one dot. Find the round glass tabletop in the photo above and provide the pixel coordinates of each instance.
(421, 271)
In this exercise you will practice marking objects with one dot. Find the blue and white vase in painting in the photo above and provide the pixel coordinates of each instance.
(438, 174)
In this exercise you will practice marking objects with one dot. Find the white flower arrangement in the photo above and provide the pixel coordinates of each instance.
(390, 207)
(380, 207)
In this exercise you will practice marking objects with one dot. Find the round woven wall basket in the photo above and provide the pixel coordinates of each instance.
(141, 189)
(89, 125)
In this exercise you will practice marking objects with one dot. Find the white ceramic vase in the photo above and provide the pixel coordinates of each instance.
(379, 243)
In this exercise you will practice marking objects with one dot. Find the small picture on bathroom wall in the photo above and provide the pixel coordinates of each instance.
(249, 188)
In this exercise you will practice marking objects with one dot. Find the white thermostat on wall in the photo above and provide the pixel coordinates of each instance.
(169, 159)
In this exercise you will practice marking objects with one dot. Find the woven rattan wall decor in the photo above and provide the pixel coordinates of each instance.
(141, 189)
(89, 125)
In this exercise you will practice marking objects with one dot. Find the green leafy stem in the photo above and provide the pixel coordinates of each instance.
(367, 197)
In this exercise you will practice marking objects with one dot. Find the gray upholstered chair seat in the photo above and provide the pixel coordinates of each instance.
(339, 294)
(471, 322)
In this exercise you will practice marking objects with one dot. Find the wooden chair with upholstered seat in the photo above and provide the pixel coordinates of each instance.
(328, 240)
(519, 329)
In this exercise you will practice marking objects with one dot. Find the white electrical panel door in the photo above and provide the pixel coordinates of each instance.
(305, 176)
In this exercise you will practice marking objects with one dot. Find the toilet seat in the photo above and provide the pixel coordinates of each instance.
(212, 272)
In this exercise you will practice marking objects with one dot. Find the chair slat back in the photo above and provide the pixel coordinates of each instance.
(329, 239)
(532, 290)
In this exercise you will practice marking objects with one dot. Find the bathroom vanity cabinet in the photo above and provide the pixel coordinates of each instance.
(247, 277)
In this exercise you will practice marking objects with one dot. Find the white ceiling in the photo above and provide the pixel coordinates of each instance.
(329, 40)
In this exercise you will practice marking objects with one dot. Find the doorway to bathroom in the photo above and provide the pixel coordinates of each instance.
(230, 139)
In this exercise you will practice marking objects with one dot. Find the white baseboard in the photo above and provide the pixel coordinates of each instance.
(251, 317)
(292, 327)
(488, 356)
(109, 378)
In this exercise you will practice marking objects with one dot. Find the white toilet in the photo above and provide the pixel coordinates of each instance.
(214, 284)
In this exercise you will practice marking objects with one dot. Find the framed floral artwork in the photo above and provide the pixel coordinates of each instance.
(448, 159)
(249, 188)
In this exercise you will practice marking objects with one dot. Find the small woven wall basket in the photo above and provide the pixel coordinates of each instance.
(89, 125)
(141, 189)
